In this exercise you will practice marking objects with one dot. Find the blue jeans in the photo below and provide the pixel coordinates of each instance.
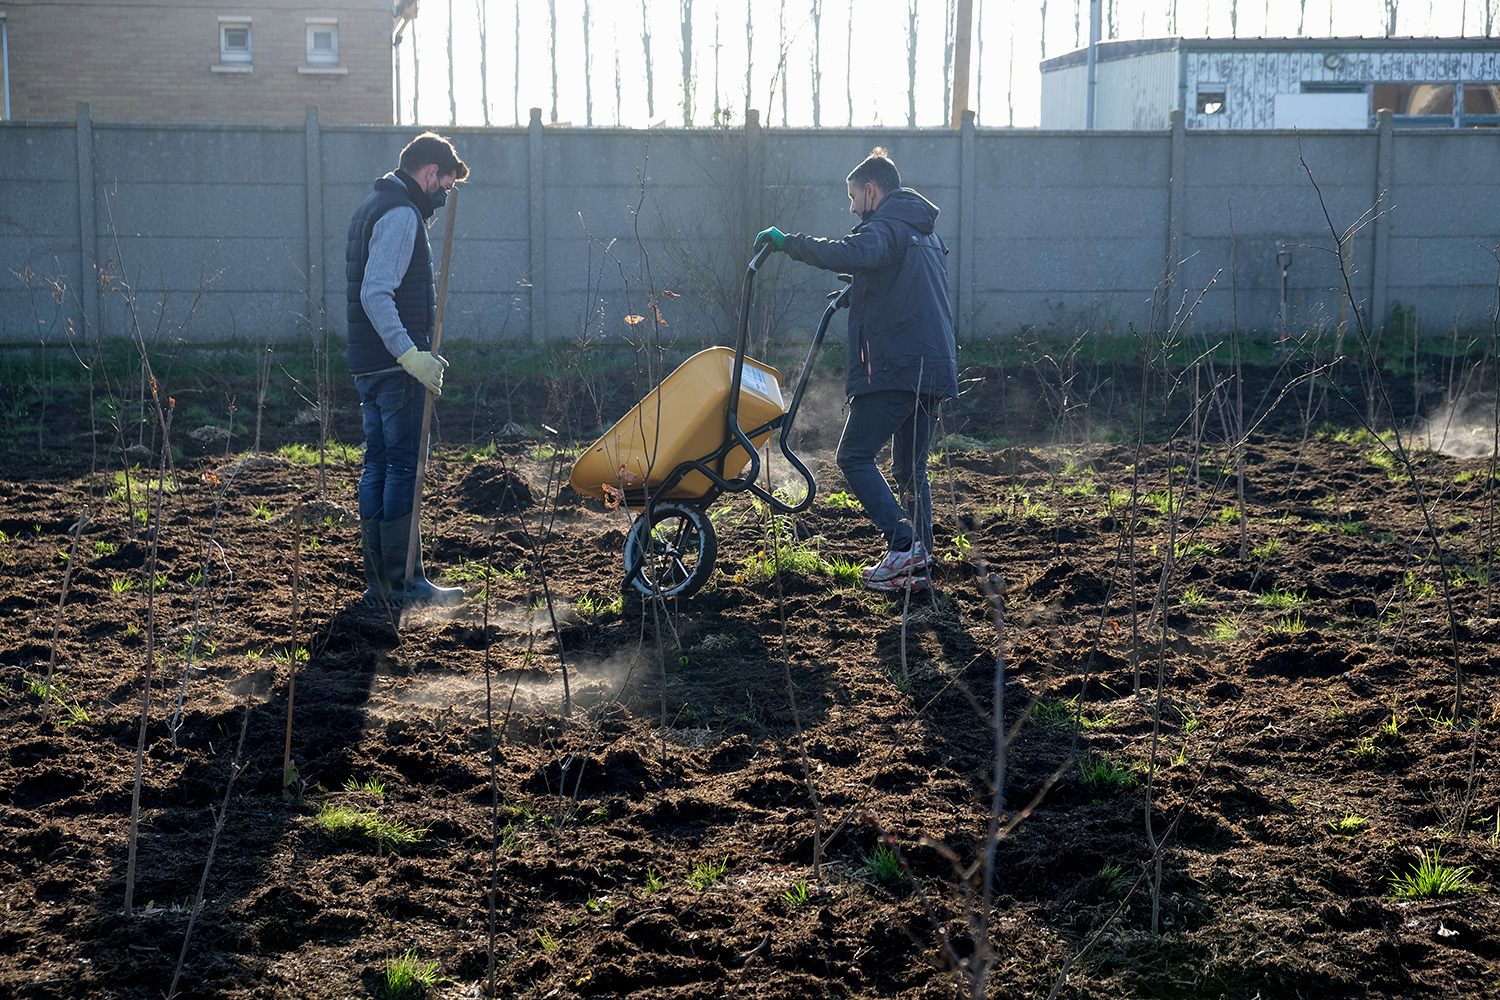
(907, 421)
(391, 404)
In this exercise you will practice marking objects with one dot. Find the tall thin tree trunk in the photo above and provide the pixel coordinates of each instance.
(452, 93)
(950, 32)
(1044, 28)
(849, 63)
(1390, 18)
(416, 78)
(911, 63)
(481, 10)
(515, 94)
(1078, 39)
(1010, 79)
(686, 7)
(618, 101)
(817, 63)
(718, 113)
(646, 48)
(588, 68)
(1234, 18)
(1301, 16)
(782, 57)
(552, 14)
(749, 57)
(978, 59)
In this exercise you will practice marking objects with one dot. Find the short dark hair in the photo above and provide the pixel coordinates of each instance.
(429, 147)
(877, 169)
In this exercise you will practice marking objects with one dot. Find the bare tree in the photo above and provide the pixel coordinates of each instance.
(978, 59)
(588, 68)
(817, 62)
(416, 77)
(646, 48)
(950, 32)
(552, 14)
(1044, 28)
(718, 112)
(1301, 16)
(1489, 18)
(452, 94)
(781, 63)
(911, 62)
(515, 94)
(749, 55)
(481, 13)
(686, 7)
(618, 101)
(1234, 18)
(849, 63)
(1390, 17)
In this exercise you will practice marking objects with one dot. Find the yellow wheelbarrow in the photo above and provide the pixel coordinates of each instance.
(694, 438)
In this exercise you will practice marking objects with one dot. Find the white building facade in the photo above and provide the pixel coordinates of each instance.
(1277, 83)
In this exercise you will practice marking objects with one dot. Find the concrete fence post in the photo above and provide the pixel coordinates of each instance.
(90, 290)
(536, 202)
(755, 170)
(1380, 267)
(968, 193)
(317, 294)
(1176, 194)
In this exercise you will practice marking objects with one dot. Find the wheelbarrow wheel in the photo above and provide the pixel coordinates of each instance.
(672, 555)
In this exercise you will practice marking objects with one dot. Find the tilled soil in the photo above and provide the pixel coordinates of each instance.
(1212, 766)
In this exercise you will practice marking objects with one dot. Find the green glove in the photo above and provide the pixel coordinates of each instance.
(425, 367)
(773, 236)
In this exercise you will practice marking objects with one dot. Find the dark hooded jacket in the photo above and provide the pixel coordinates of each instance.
(900, 323)
(416, 297)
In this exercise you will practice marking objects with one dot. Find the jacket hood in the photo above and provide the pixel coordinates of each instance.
(906, 205)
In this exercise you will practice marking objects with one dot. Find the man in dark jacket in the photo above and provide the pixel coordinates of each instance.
(391, 306)
(902, 359)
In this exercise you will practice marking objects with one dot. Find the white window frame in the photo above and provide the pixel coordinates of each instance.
(317, 63)
(235, 60)
(318, 57)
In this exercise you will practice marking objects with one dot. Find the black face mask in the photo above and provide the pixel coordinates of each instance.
(439, 198)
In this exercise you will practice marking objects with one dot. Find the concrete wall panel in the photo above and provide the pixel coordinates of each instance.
(1062, 230)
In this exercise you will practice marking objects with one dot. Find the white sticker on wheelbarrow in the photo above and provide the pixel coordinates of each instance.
(755, 380)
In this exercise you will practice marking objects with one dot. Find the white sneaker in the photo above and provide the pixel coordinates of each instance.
(896, 564)
(914, 581)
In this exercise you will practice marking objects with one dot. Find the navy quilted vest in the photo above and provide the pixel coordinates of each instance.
(416, 298)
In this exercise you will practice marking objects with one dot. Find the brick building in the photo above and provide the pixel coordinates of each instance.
(197, 60)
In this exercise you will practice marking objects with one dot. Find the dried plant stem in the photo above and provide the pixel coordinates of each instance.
(288, 772)
(62, 600)
(140, 747)
(1397, 449)
(234, 772)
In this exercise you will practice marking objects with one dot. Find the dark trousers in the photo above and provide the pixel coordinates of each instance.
(907, 421)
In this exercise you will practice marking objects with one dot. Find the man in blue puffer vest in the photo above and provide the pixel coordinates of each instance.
(391, 306)
(902, 358)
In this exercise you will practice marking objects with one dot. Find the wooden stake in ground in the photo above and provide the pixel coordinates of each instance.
(414, 540)
(289, 775)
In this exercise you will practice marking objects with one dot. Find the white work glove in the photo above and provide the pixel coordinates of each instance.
(425, 367)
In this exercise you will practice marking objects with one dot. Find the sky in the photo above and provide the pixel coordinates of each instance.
(862, 47)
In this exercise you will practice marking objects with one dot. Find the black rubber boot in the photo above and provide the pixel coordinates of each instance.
(421, 592)
(378, 590)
